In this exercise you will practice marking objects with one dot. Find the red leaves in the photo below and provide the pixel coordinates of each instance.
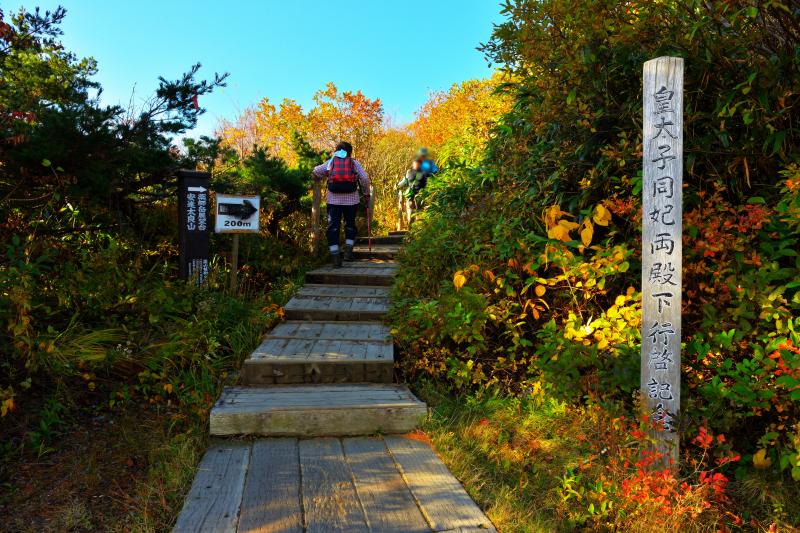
(704, 439)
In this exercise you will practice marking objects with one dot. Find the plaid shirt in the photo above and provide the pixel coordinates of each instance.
(344, 198)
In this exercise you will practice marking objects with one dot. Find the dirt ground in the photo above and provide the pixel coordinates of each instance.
(97, 478)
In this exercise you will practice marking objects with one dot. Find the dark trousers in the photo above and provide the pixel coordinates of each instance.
(335, 214)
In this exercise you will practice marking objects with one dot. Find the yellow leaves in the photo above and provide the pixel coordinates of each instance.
(168, 388)
(540, 290)
(459, 279)
(587, 232)
(602, 216)
(558, 232)
(561, 230)
(552, 214)
(478, 107)
(760, 459)
(7, 406)
(534, 307)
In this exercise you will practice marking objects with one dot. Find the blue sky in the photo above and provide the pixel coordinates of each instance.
(398, 51)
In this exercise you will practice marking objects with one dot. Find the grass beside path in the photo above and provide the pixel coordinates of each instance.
(510, 456)
(539, 465)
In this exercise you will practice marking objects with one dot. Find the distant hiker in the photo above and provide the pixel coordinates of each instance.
(344, 176)
(416, 179)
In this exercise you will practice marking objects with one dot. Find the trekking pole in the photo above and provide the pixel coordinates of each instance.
(369, 230)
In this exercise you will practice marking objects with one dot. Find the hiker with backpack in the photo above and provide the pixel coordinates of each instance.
(416, 179)
(344, 175)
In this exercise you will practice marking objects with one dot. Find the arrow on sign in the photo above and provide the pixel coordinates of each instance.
(196, 189)
(242, 211)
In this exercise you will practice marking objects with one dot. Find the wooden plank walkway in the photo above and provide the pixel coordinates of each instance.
(320, 386)
(369, 484)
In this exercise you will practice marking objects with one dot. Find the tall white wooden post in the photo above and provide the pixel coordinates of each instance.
(662, 201)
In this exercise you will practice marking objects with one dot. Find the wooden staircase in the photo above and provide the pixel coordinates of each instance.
(327, 370)
(320, 386)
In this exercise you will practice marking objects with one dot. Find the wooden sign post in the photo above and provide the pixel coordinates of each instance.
(193, 210)
(237, 214)
(315, 207)
(662, 202)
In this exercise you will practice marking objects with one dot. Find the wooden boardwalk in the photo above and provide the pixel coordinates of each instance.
(336, 458)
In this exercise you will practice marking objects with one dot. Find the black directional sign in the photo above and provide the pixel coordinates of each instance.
(239, 210)
(193, 234)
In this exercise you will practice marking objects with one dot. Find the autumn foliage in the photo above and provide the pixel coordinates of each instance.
(526, 265)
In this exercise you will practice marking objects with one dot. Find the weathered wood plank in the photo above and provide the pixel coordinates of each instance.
(312, 350)
(379, 251)
(662, 204)
(387, 501)
(342, 330)
(336, 308)
(216, 494)
(383, 239)
(351, 277)
(329, 497)
(271, 501)
(444, 502)
(349, 291)
(316, 410)
(363, 265)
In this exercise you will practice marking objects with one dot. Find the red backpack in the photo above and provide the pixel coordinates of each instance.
(342, 175)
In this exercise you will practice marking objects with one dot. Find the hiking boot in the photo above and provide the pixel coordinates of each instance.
(348, 252)
(337, 259)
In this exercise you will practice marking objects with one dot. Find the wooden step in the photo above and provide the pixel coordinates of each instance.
(358, 484)
(374, 273)
(403, 232)
(322, 352)
(316, 410)
(379, 251)
(381, 239)
(338, 302)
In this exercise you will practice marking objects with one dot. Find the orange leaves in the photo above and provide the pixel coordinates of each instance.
(704, 439)
(336, 115)
(540, 290)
